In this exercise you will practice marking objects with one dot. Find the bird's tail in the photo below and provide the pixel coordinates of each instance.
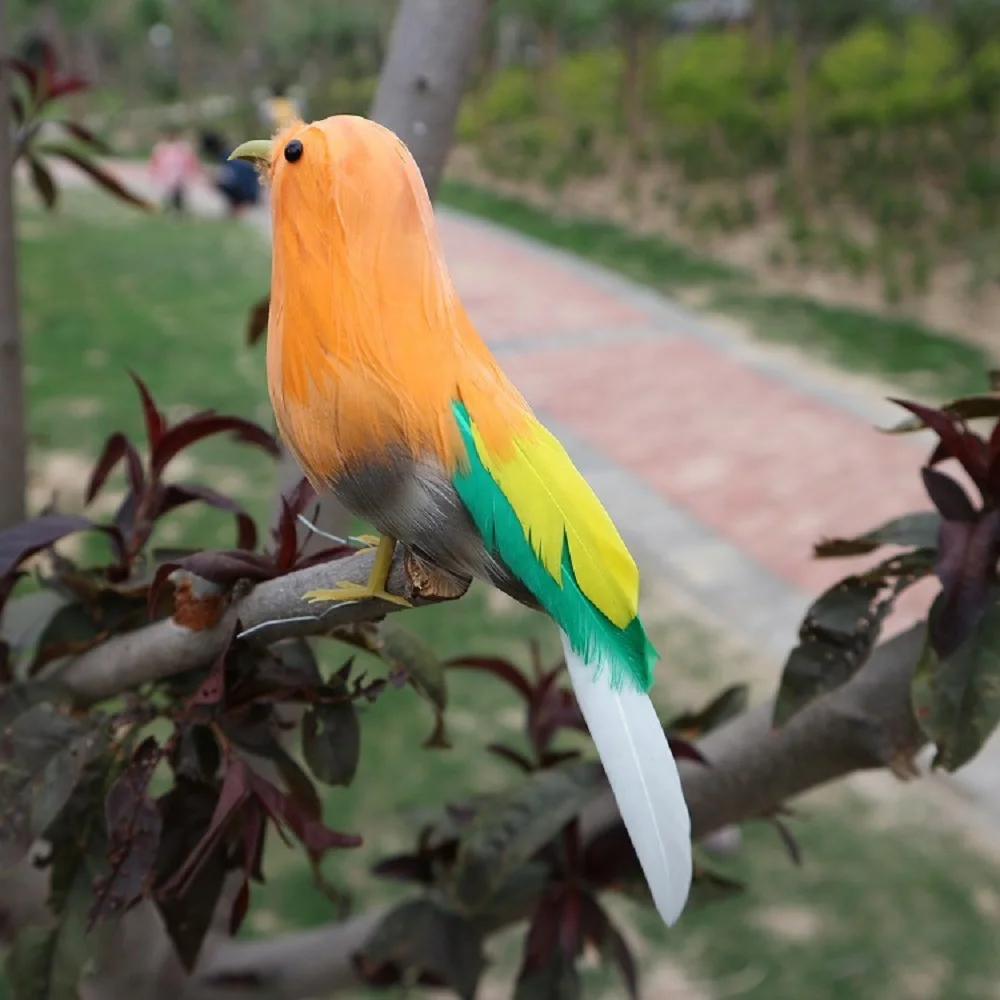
(643, 775)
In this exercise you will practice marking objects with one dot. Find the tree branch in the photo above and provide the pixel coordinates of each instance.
(754, 769)
(274, 609)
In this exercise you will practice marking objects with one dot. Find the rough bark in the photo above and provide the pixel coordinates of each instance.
(13, 429)
(432, 49)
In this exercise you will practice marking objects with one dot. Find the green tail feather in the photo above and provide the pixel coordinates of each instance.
(626, 653)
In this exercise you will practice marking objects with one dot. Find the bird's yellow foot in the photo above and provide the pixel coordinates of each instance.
(346, 591)
(374, 588)
(368, 541)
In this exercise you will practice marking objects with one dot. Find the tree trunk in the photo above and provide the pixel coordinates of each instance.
(548, 57)
(13, 430)
(432, 49)
(761, 29)
(799, 139)
(636, 46)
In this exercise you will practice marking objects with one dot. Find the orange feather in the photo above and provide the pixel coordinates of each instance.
(368, 344)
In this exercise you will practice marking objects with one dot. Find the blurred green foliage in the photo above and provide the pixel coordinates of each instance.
(903, 119)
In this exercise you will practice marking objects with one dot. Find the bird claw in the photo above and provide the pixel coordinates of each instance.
(368, 541)
(346, 592)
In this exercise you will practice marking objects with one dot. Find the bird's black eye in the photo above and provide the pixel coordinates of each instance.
(293, 150)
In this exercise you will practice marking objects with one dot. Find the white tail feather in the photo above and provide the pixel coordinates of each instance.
(643, 775)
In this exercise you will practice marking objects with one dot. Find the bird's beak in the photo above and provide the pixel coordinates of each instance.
(255, 149)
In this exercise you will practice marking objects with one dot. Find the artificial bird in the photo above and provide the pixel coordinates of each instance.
(388, 398)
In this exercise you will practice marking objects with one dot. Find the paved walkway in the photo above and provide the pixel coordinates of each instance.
(721, 461)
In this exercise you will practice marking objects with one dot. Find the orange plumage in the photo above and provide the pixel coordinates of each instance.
(388, 397)
(364, 317)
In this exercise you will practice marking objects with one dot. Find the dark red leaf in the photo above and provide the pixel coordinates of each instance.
(134, 827)
(222, 567)
(270, 678)
(107, 181)
(423, 942)
(331, 554)
(66, 85)
(226, 566)
(418, 868)
(968, 448)
(205, 424)
(6, 664)
(685, 750)
(257, 320)
(213, 687)
(288, 538)
(517, 759)
(188, 910)
(25, 70)
(552, 708)
(85, 135)
(43, 181)
(729, 703)
(993, 450)
(156, 422)
(30, 537)
(502, 669)
(966, 567)
(598, 928)
(17, 108)
(233, 795)
(300, 496)
(788, 841)
(609, 860)
(331, 741)
(286, 533)
(241, 904)
(253, 844)
(543, 931)
(116, 448)
(285, 811)
(553, 758)
(49, 62)
(570, 922)
(947, 495)
(178, 494)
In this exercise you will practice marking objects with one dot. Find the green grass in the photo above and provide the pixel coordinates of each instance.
(642, 258)
(879, 909)
(107, 289)
(902, 351)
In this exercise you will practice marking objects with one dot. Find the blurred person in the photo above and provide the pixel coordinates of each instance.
(173, 165)
(235, 180)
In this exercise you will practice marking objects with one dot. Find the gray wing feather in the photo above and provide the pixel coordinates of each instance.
(414, 501)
